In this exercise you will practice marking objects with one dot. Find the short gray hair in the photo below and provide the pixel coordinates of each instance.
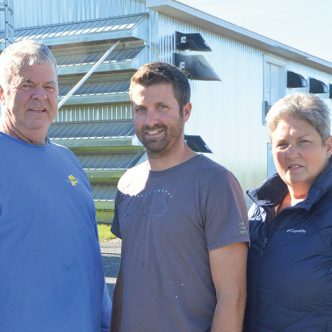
(22, 53)
(302, 106)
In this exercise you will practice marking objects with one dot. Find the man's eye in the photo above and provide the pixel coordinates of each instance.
(282, 145)
(139, 109)
(26, 85)
(49, 87)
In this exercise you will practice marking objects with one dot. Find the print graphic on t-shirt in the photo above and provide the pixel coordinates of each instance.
(152, 204)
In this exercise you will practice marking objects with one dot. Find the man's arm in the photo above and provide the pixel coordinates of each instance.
(117, 304)
(228, 269)
(106, 311)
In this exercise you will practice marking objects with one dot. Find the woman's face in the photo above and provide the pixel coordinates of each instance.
(299, 153)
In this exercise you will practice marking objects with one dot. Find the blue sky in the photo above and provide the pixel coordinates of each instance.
(303, 24)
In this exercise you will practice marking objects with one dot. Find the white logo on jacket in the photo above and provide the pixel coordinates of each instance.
(292, 230)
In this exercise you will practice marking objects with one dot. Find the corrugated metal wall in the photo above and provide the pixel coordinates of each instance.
(307, 72)
(41, 12)
(226, 114)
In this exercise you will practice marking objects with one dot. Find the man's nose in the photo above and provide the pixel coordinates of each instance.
(39, 92)
(151, 118)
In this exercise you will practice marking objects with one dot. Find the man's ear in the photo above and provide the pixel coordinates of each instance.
(187, 111)
(2, 97)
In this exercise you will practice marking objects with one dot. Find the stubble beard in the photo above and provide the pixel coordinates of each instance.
(166, 145)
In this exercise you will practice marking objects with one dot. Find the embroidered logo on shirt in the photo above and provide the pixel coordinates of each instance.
(243, 228)
(72, 180)
(292, 230)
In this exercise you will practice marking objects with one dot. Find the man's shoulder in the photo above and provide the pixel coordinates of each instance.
(58, 146)
(6, 139)
(134, 175)
(62, 149)
(208, 168)
(204, 161)
(140, 168)
(211, 174)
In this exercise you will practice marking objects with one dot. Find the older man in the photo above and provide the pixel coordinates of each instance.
(51, 276)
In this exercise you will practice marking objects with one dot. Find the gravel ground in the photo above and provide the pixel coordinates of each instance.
(111, 252)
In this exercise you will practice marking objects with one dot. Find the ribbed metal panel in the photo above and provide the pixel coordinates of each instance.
(92, 129)
(94, 112)
(97, 88)
(44, 12)
(120, 60)
(110, 161)
(162, 38)
(82, 57)
(131, 26)
(104, 192)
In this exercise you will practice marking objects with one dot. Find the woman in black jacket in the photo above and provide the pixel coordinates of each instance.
(290, 256)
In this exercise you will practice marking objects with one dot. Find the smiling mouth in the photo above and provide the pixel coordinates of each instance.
(37, 111)
(153, 132)
(294, 167)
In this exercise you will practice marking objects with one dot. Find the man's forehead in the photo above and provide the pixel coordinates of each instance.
(159, 90)
(43, 72)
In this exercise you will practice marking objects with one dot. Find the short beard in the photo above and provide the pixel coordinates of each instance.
(166, 145)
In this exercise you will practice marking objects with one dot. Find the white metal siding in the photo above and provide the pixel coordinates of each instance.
(226, 114)
(307, 72)
(44, 12)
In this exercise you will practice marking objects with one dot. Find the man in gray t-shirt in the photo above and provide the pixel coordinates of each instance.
(182, 220)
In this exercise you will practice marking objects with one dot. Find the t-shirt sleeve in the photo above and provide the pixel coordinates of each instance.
(225, 211)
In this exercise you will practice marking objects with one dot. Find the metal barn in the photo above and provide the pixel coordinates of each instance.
(235, 76)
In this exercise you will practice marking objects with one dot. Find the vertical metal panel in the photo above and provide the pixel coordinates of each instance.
(105, 112)
(44, 12)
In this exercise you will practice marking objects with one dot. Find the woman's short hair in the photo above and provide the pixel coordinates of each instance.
(22, 53)
(302, 106)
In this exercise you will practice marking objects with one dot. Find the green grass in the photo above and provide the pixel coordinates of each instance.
(105, 233)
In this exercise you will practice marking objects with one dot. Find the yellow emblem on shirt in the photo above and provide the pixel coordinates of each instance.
(72, 180)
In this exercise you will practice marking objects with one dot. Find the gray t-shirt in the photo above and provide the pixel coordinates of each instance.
(168, 221)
